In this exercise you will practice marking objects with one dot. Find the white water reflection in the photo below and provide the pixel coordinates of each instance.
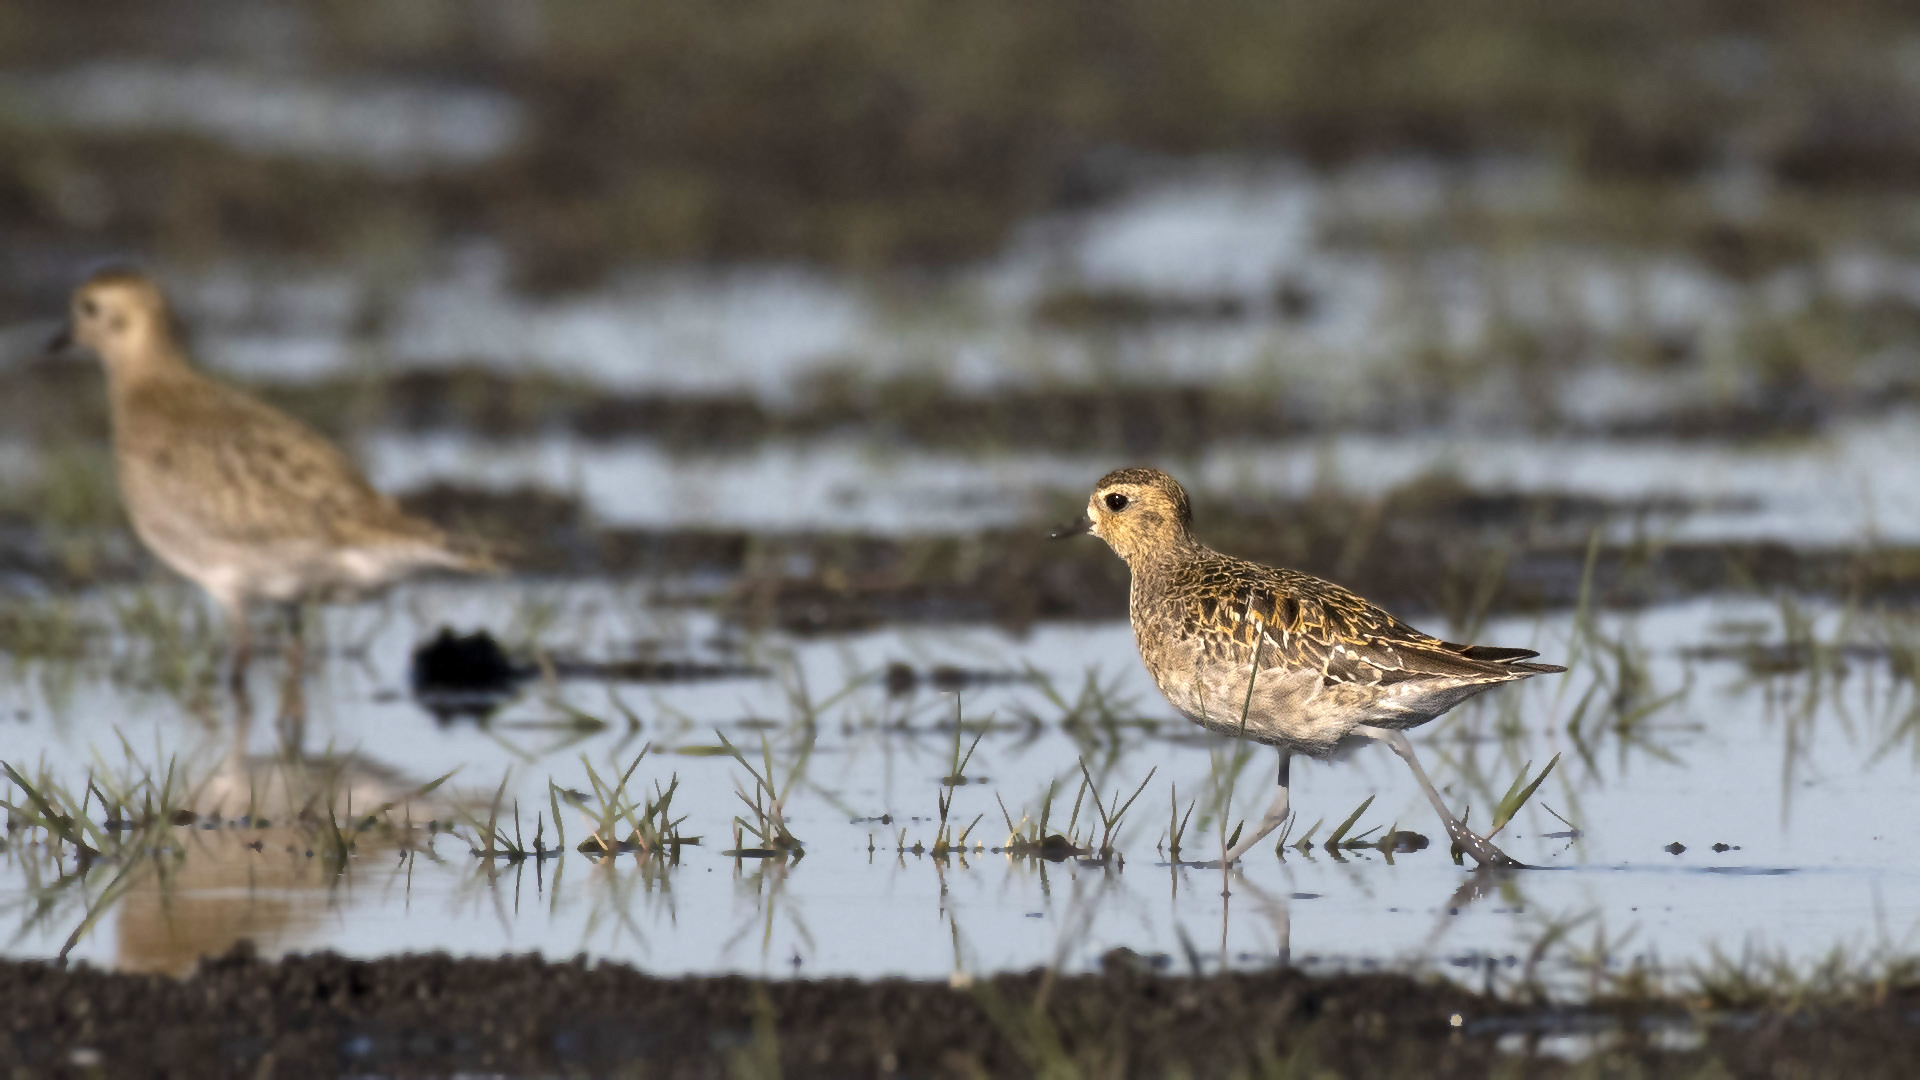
(1839, 489)
(398, 127)
(1235, 233)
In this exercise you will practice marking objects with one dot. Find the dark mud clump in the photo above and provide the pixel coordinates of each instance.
(325, 1015)
(463, 663)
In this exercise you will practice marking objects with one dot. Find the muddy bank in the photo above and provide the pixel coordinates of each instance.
(62, 402)
(800, 131)
(1008, 580)
(324, 1015)
(1137, 420)
(1428, 551)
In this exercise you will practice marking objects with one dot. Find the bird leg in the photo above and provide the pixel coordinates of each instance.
(1480, 848)
(242, 654)
(1275, 814)
(293, 691)
(294, 650)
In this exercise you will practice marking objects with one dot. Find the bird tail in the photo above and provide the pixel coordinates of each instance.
(429, 545)
(468, 556)
(1507, 658)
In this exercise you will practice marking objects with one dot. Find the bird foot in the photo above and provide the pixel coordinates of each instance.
(1480, 849)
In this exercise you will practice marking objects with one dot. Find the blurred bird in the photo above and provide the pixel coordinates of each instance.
(238, 497)
(1278, 656)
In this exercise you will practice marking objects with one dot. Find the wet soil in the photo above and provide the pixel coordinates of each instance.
(325, 1015)
(928, 136)
(1141, 420)
(1429, 550)
(55, 401)
(1431, 547)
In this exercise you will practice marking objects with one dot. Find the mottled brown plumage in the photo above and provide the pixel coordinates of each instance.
(228, 491)
(1275, 655)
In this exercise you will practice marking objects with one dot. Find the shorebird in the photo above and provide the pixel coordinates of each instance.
(231, 493)
(1278, 656)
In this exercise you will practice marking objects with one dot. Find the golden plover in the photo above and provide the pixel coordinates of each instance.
(1279, 656)
(240, 498)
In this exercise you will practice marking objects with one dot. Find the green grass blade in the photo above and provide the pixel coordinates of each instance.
(1517, 796)
(1346, 826)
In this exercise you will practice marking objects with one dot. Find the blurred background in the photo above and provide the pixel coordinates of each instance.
(1585, 323)
(605, 277)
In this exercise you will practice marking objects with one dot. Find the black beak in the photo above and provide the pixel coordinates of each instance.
(1077, 527)
(61, 343)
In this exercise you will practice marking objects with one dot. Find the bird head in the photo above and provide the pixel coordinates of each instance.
(1136, 511)
(122, 317)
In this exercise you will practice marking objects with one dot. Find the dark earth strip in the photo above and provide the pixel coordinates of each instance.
(64, 402)
(1431, 549)
(324, 1015)
(800, 131)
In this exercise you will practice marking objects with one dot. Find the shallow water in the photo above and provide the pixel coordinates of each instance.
(1403, 358)
(1799, 773)
(394, 126)
(1262, 273)
(1833, 489)
(1502, 360)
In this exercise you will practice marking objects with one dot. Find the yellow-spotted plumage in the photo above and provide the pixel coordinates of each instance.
(1276, 655)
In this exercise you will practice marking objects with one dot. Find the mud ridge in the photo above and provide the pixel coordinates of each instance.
(326, 1015)
(1429, 551)
(830, 139)
(51, 404)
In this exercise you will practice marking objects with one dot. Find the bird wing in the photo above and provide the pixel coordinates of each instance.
(248, 473)
(1304, 622)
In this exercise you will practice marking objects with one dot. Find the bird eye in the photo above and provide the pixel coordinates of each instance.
(89, 308)
(1116, 502)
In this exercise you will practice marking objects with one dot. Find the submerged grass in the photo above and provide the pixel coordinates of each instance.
(1518, 793)
(1176, 822)
(1032, 836)
(1339, 837)
(767, 802)
(944, 840)
(652, 829)
(1097, 713)
(45, 629)
(141, 634)
(1110, 813)
(136, 822)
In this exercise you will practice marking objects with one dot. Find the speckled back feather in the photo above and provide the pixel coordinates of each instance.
(1271, 654)
(1238, 609)
(247, 473)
